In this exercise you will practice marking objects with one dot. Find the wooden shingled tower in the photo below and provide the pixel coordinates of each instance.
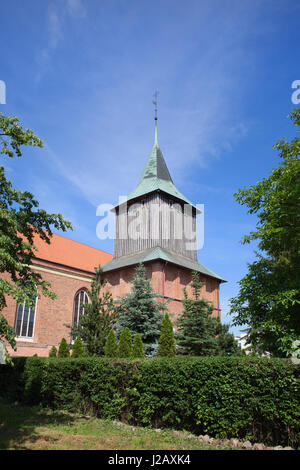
(156, 225)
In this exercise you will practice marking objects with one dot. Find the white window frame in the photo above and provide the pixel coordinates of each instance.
(79, 306)
(26, 338)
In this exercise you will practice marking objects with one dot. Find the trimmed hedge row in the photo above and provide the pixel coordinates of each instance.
(256, 399)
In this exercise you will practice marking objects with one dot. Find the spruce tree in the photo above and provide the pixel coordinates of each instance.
(53, 352)
(166, 343)
(196, 335)
(78, 349)
(99, 317)
(125, 344)
(140, 311)
(63, 350)
(111, 348)
(138, 347)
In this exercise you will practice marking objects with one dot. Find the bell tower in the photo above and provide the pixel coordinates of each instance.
(155, 213)
(156, 225)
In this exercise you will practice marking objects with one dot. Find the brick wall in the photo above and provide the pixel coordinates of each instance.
(168, 281)
(52, 316)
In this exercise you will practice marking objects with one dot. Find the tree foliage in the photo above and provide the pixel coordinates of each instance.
(100, 316)
(7, 332)
(111, 347)
(225, 397)
(166, 342)
(53, 352)
(21, 220)
(141, 311)
(63, 350)
(196, 335)
(226, 343)
(138, 347)
(125, 344)
(78, 348)
(269, 297)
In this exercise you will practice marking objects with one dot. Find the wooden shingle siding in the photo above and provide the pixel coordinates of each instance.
(156, 220)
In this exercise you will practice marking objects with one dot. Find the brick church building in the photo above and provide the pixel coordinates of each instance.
(155, 225)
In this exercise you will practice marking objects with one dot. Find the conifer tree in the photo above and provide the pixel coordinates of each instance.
(63, 350)
(196, 335)
(99, 317)
(227, 344)
(166, 342)
(125, 344)
(78, 348)
(140, 311)
(138, 347)
(53, 352)
(111, 347)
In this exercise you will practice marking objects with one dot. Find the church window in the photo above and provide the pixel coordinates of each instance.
(25, 320)
(80, 299)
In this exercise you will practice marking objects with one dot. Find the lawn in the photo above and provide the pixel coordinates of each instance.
(33, 428)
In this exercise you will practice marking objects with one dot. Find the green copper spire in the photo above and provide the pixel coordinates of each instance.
(156, 176)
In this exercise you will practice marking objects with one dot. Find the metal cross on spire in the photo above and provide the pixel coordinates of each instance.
(155, 116)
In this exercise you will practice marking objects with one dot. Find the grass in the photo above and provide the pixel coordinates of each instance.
(33, 428)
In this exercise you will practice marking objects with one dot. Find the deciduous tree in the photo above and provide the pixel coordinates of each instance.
(268, 301)
(21, 220)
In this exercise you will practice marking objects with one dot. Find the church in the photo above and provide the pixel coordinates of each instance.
(155, 225)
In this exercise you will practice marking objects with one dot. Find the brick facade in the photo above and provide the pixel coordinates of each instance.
(69, 266)
(52, 316)
(168, 281)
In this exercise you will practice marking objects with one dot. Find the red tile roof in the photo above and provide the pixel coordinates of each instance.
(68, 252)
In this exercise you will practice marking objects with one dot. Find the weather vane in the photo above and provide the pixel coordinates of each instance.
(155, 103)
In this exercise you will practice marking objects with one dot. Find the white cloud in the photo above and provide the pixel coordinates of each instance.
(196, 62)
(54, 27)
(56, 16)
(76, 8)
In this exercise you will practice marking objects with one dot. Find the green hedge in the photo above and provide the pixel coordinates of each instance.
(246, 398)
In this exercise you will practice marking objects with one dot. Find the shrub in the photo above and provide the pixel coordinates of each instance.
(166, 343)
(78, 349)
(63, 350)
(246, 398)
(125, 344)
(111, 348)
(138, 347)
(53, 352)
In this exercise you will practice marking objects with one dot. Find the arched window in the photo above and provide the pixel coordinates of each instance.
(80, 299)
(25, 320)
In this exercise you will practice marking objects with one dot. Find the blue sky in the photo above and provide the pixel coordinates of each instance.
(81, 74)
